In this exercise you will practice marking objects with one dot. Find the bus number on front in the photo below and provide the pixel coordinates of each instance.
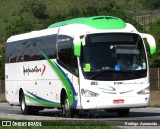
(94, 83)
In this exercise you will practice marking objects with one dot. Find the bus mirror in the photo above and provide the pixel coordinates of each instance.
(151, 41)
(77, 47)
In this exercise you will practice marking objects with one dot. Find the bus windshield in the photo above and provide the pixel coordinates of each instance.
(113, 56)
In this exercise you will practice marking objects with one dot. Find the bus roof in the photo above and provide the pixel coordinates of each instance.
(106, 23)
(32, 34)
(98, 22)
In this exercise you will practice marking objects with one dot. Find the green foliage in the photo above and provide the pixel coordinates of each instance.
(74, 12)
(62, 127)
(30, 15)
(90, 11)
(36, 8)
(152, 4)
(2, 62)
(20, 26)
(155, 31)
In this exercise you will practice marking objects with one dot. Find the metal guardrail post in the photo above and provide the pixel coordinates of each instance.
(158, 79)
(0, 86)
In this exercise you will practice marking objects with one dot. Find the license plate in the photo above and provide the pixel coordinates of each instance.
(118, 101)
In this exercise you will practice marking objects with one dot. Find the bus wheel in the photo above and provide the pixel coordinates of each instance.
(26, 110)
(123, 112)
(66, 111)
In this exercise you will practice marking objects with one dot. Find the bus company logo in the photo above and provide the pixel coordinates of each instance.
(35, 69)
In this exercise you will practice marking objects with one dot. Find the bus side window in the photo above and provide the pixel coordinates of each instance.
(12, 57)
(75, 64)
(29, 50)
(20, 46)
(47, 45)
(8, 52)
(66, 54)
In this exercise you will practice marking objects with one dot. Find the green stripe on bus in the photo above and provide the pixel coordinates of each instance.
(62, 78)
(98, 22)
(43, 102)
(110, 88)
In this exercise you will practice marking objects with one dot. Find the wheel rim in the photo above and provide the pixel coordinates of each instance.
(66, 105)
(23, 104)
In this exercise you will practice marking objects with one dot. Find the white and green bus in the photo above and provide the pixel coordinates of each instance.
(94, 63)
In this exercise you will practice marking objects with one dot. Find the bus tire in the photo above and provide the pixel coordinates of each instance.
(26, 110)
(123, 112)
(66, 111)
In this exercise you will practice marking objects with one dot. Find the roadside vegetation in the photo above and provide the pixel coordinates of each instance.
(19, 16)
(16, 124)
(63, 127)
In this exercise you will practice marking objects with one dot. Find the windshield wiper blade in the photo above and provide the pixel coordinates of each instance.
(111, 70)
(100, 72)
(133, 72)
(96, 74)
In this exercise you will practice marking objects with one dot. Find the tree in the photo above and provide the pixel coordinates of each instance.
(38, 10)
(155, 31)
(2, 62)
(152, 3)
(34, 7)
(20, 26)
(90, 11)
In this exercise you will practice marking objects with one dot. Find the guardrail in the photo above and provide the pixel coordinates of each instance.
(2, 86)
(155, 79)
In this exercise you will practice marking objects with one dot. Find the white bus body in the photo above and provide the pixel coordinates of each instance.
(73, 65)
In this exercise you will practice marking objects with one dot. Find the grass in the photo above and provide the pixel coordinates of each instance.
(50, 124)
(156, 105)
(3, 101)
(64, 127)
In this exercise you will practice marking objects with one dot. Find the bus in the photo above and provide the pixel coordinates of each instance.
(89, 63)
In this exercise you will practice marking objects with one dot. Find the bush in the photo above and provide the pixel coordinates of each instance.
(2, 62)
(152, 4)
(36, 8)
(155, 31)
(20, 26)
(39, 10)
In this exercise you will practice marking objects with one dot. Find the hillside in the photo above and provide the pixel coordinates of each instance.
(20, 16)
(36, 14)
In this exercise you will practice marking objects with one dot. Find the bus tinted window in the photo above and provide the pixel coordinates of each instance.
(20, 47)
(29, 49)
(47, 45)
(66, 54)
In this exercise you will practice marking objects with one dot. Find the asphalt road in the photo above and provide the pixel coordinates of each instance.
(151, 115)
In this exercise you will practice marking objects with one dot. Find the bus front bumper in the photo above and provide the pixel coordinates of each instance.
(116, 102)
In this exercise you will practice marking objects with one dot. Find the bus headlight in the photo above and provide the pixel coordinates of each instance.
(144, 91)
(88, 93)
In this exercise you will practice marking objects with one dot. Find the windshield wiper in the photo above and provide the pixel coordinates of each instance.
(100, 72)
(112, 70)
(135, 72)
